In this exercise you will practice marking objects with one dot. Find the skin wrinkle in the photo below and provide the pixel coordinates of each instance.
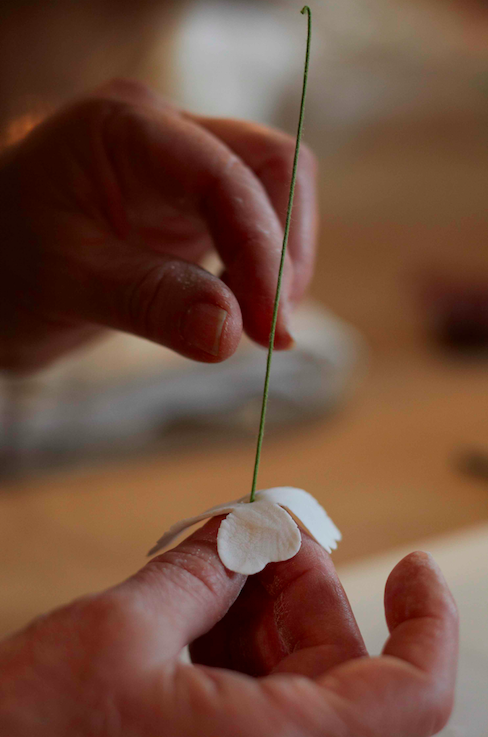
(280, 611)
(289, 643)
(152, 126)
(142, 317)
(115, 211)
(353, 727)
(238, 709)
(185, 578)
(434, 636)
(188, 698)
(97, 171)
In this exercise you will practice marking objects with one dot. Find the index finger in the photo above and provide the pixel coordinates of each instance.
(269, 154)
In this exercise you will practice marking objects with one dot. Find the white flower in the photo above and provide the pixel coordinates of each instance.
(253, 535)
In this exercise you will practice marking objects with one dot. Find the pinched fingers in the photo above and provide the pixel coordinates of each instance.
(164, 161)
(294, 617)
(120, 197)
(269, 154)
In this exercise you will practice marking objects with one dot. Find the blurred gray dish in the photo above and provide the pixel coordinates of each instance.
(127, 395)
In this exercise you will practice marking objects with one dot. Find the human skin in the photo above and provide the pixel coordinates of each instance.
(278, 655)
(106, 210)
(108, 207)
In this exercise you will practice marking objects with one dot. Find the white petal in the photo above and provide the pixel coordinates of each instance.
(256, 534)
(174, 531)
(299, 503)
(310, 513)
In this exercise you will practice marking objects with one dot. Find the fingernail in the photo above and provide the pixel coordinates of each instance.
(203, 326)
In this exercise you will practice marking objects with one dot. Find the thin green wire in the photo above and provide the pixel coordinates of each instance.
(264, 406)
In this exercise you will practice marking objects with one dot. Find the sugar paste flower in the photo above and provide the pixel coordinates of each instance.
(253, 535)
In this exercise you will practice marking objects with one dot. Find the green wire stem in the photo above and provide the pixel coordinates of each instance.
(264, 405)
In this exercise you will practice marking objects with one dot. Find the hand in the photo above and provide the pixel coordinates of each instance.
(277, 656)
(107, 208)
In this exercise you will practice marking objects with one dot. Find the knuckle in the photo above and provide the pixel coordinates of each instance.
(93, 111)
(127, 89)
(97, 119)
(195, 571)
(112, 117)
(107, 618)
(146, 303)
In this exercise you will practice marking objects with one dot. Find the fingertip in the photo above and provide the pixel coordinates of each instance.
(284, 340)
(409, 566)
(411, 569)
(183, 307)
(257, 315)
(416, 587)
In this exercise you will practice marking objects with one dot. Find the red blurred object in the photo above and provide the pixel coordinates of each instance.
(458, 312)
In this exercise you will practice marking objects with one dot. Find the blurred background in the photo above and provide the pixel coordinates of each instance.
(382, 410)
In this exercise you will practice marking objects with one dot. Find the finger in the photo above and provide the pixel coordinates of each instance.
(293, 617)
(410, 689)
(171, 302)
(269, 153)
(182, 593)
(167, 158)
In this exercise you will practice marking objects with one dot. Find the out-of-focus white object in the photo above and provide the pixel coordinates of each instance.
(371, 60)
(126, 394)
(253, 535)
(463, 558)
(235, 59)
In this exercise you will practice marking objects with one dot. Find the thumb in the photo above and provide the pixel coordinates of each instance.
(184, 592)
(171, 302)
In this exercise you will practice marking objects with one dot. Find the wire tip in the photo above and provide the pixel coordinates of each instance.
(305, 9)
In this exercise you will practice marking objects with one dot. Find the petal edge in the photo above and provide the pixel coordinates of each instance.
(253, 535)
